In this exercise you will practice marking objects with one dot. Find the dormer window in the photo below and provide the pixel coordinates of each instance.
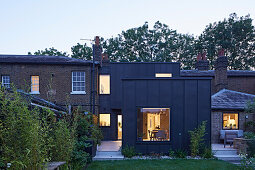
(163, 75)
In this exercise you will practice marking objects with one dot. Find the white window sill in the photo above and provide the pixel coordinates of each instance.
(78, 92)
(35, 92)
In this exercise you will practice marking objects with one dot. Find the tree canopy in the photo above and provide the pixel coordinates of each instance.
(162, 44)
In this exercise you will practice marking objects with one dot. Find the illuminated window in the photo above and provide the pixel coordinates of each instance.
(153, 124)
(35, 84)
(104, 120)
(230, 120)
(78, 83)
(104, 84)
(163, 75)
(6, 81)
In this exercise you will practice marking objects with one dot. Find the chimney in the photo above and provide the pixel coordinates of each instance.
(221, 77)
(202, 62)
(97, 50)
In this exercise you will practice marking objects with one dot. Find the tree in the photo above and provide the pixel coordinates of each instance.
(159, 44)
(49, 52)
(236, 35)
(81, 52)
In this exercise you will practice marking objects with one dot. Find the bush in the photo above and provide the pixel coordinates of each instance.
(249, 135)
(180, 153)
(251, 148)
(207, 153)
(196, 139)
(171, 153)
(128, 151)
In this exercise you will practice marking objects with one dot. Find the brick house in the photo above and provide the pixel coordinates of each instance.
(62, 80)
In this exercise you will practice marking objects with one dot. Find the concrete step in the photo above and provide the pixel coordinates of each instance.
(228, 157)
(224, 152)
(108, 155)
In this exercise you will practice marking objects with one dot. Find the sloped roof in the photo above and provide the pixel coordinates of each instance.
(210, 73)
(228, 99)
(36, 59)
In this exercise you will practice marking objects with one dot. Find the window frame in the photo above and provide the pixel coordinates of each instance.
(35, 92)
(2, 81)
(222, 124)
(78, 92)
(170, 126)
(104, 114)
(99, 87)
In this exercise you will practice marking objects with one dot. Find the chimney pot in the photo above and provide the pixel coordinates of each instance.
(202, 62)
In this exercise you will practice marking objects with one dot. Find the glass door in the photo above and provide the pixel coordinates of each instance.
(119, 127)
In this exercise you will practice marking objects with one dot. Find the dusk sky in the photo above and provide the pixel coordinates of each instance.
(31, 25)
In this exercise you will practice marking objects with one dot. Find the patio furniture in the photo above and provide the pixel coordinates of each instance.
(161, 135)
(239, 133)
(229, 137)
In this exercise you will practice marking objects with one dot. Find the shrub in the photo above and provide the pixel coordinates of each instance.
(197, 138)
(128, 151)
(207, 152)
(251, 148)
(171, 153)
(180, 153)
(249, 135)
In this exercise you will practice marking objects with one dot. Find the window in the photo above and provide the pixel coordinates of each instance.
(104, 84)
(104, 120)
(153, 124)
(6, 81)
(35, 84)
(230, 120)
(163, 75)
(78, 83)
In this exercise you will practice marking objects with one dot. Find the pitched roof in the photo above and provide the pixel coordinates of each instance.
(210, 73)
(228, 99)
(37, 59)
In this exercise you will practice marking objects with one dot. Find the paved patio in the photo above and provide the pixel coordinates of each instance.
(110, 146)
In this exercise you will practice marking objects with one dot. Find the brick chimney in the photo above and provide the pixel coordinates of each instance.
(97, 50)
(202, 63)
(221, 77)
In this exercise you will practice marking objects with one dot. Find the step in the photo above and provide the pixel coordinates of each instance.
(228, 157)
(108, 155)
(224, 152)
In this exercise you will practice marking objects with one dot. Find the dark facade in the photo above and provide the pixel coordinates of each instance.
(134, 86)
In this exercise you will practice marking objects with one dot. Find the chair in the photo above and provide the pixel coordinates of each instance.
(229, 137)
(161, 135)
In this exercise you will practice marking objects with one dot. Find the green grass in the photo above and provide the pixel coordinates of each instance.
(177, 164)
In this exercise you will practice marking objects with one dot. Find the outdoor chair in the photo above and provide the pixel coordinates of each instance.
(229, 137)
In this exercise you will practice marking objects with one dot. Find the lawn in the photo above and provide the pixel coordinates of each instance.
(162, 164)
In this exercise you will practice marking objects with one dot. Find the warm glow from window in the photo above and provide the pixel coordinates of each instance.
(104, 84)
(153, 124)
(163, 75)
(35, 84)
(230, 120)
(104, 120)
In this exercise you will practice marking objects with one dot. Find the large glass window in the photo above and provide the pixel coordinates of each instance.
(163, 75)
(104, 119)
(78, 82)
(153, 124)
(6, 81)
(104, 84)
(230, 120)
(35, 84)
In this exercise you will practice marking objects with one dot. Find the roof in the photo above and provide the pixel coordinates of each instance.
(228, 99)
(210, 73)
(37, 59)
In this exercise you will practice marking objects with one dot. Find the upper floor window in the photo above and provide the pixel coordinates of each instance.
(35, 84)
(6, 81)
(163, 75)
(78, 82)
(104, 84)
(230, 120)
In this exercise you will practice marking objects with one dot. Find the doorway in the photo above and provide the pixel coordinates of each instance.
(119, 127)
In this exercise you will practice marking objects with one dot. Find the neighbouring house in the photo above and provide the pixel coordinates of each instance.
(61, 80)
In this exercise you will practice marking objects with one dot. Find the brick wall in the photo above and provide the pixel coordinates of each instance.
(216, 123)
(55, 82)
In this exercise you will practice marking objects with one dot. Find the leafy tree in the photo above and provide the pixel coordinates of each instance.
(81, 52)
(49, 52)
(236, 35)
